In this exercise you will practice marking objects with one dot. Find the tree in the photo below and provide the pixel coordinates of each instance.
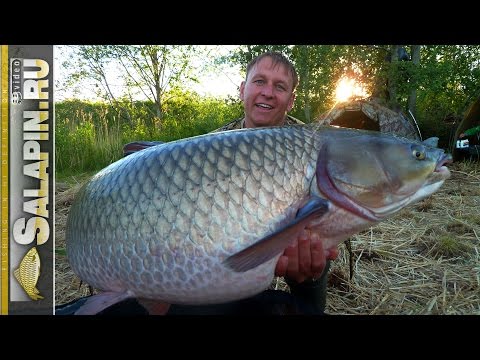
(147, 71)
(412, 97)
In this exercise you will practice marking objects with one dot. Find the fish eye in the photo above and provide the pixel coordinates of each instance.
(418, 154)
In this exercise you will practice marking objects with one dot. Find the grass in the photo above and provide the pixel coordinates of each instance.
(89, 136)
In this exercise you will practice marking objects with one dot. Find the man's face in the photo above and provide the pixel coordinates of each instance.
(267, 94)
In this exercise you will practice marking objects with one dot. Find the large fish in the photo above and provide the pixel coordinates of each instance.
(204, 220)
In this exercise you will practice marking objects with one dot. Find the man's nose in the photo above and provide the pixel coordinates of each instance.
(267, 90)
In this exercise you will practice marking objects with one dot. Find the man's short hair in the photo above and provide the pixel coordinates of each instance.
(277, 58)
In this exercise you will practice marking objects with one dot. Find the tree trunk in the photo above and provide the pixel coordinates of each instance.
(392, 86)
(305, 79)
(412, 97)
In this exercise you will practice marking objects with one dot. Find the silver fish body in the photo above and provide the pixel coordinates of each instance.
(164, 223)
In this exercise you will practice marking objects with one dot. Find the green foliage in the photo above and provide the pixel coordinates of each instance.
(79, 128)
(90, 136)
(447, 80)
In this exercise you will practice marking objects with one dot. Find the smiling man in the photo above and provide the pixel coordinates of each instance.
(268, 93)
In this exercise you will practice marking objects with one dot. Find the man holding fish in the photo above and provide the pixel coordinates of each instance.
(268, 94)
(202, 225)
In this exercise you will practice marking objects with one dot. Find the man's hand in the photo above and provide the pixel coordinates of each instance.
(304, 259)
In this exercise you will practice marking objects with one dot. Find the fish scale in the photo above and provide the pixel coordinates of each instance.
(176, 222)
(186, 195)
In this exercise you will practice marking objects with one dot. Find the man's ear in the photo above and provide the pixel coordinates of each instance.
(242, 88)
(291, 102)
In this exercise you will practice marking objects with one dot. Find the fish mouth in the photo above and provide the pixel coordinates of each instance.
(442, 161)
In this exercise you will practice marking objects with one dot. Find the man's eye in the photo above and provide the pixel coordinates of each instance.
(281, 87)
(259, 82)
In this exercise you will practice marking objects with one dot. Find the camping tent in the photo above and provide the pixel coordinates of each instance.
(471, 120)
(370, 115)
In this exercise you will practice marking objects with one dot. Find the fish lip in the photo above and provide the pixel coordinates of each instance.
(442, 161)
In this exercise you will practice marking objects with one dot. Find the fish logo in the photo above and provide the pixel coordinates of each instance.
(28, 273)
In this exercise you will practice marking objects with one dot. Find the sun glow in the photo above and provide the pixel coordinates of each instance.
(348, 88)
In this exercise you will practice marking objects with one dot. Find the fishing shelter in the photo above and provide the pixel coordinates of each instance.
(369, 114)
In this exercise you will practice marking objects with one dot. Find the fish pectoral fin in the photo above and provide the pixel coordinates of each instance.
(99, 302)
(273, 244)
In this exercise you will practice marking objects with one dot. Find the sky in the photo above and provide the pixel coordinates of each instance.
(221, 84)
